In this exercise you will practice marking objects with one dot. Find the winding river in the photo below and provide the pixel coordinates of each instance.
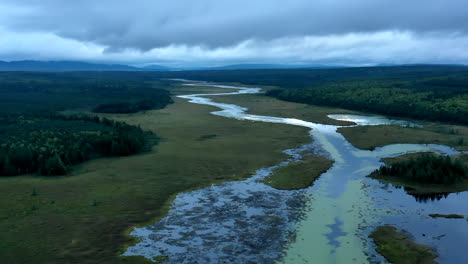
(329, 222)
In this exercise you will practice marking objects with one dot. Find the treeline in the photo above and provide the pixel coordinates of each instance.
(35, 139)
(438, 101)
(427, 168)
(431, 92)
(49, 145)
(128, 107)
(25, 93)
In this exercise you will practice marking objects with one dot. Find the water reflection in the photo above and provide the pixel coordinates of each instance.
(419, 197)
(429, 196)
(425, 197)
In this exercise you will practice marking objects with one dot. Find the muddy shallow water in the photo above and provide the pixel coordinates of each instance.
(248, 221)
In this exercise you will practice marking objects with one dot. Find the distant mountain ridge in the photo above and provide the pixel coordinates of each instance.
(155, 67)
(63, 66)
(249, 66)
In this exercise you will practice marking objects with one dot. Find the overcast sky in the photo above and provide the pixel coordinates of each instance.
(219, 32)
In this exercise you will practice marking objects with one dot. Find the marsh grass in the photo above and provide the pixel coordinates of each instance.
(300, 174)
(370, 137)
(397, 247)
(66, 227)
(260, 104)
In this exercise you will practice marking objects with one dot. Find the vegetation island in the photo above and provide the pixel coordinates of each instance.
(397, 247)
(425, 173)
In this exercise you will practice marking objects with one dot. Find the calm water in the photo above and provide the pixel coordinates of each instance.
(242, 221)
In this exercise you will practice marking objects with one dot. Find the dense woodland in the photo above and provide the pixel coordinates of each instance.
(35, 137)
(48, 145)
(427, 168)
(25, 93)
(441, 99)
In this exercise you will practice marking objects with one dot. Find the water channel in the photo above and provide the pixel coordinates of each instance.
(329, 222)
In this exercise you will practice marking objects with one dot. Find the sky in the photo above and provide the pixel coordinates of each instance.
(222, 32)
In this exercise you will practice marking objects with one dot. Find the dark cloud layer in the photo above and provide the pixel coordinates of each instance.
(149, 24)
(216, 24)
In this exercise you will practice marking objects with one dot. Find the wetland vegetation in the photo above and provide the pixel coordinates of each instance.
(370, 137)
(300, 174)
(84, 217)
(397, 247)
(429, 92)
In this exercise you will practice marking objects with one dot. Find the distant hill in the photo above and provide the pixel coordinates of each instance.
(63, 66)
(155, 67)
(271, 66)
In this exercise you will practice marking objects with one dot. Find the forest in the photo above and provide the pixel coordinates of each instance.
(438, 99)
(24, 92)
(49, 145)
(37, 136)
(427, 168)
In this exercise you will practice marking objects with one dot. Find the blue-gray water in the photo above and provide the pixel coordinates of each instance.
(248, 221)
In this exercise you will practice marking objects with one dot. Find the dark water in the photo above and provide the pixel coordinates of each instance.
(247, 221)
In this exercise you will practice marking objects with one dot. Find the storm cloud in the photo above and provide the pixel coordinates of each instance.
(212, 31)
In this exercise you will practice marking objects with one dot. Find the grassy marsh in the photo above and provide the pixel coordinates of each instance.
(370, 137)
(259, 104)
(300, 174)
(83, 217)
(397, 247)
